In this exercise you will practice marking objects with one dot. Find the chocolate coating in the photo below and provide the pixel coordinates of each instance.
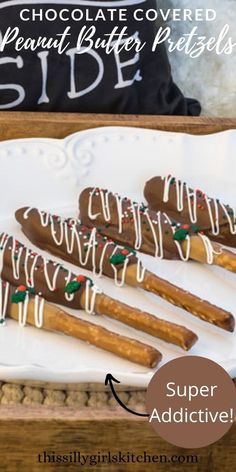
(141, 228)
(154, 191)
(21, 266)
(78, 245)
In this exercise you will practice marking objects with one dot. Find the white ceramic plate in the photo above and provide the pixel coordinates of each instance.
(50, 174)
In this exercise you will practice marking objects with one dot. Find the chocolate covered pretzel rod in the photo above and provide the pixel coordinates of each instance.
(26, 308)
(21, 266)
(85, 247)
(192, 207)
(151, 232)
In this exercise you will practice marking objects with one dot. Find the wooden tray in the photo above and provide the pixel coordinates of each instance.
(27, 431)
(58, 125)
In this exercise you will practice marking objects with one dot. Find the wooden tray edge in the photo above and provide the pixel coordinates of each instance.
(15, 125)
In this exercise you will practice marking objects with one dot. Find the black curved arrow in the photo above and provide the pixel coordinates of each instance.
(109, 379)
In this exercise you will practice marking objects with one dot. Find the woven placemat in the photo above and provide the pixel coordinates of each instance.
(90, 396)
(84, 395)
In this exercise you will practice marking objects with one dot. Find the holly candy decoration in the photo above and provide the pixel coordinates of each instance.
(120, 257)
(20, 295)
(180, 234)
(75, 284)
(117, 259)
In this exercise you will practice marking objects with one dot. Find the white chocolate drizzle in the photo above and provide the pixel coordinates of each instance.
(68, 232)
(22, 306)
(28, 268)
(4, 296)
(212, 205)
(38, 311)
(155, 225)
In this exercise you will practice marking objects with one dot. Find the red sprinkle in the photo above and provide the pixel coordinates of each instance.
(80, 278)
(125, 252)
(185, 226)
(22, 288)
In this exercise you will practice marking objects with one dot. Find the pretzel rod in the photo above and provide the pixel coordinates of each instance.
(193, 304)
(20, 266)
(220, 257)
(84, 247)
(55, 319)
(192, 206)
(151, 232)
(169, 332)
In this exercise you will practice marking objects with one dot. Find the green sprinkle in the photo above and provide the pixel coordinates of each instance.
(143, 207)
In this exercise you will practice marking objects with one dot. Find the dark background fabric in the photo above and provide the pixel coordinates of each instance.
(155, 93)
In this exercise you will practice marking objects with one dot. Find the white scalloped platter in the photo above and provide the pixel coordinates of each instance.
(50, 174)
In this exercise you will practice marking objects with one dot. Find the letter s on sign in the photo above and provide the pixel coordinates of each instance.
(17, 88)
(172, 390)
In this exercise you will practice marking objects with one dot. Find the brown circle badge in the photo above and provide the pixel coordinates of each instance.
(191, 402)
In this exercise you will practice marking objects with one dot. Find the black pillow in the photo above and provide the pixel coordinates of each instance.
(128, 82)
